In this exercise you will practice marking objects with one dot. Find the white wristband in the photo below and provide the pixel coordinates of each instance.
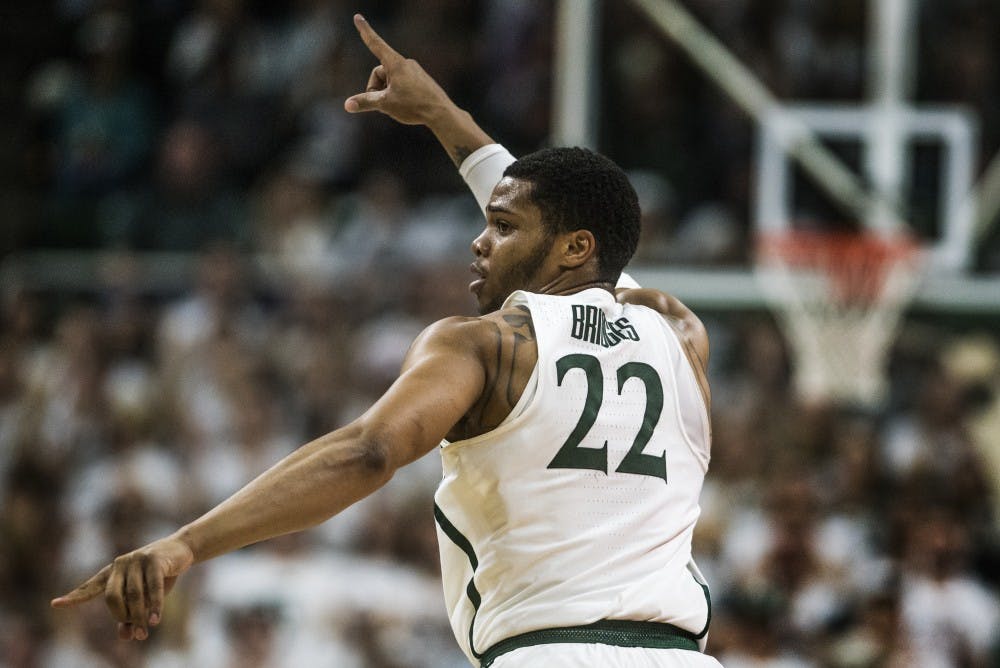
(483, 169)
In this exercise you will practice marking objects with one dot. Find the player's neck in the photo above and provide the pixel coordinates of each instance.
(568, 284)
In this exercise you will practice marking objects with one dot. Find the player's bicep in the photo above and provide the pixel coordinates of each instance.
(442, 378)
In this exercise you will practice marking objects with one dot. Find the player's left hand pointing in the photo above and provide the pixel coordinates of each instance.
(398, 86)
(134, 585)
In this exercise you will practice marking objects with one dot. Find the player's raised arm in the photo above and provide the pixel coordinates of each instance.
(400, 88)
(443, 376)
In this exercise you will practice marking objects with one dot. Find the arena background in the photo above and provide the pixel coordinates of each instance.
(205, 262)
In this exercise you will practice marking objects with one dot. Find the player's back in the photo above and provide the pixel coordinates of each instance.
(579, 508)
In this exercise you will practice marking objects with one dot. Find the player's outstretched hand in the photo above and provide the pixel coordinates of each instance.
(134, 585)
(398, 86)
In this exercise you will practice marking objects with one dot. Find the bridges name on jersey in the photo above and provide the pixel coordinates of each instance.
(590, 324)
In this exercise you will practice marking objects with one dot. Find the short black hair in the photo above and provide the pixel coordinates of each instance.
(578, 189)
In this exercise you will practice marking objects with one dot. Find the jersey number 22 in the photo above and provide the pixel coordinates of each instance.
(572, 456)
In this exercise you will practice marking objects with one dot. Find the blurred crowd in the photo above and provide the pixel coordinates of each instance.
(323, 243)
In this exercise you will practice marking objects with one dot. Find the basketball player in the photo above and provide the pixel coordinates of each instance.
(573, 429)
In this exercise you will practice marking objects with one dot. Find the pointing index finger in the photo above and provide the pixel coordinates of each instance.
(86, 591)
(378, 46)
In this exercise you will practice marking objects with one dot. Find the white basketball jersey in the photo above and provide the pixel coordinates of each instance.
(580, 506)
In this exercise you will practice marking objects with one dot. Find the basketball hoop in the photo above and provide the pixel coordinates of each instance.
(839, 298)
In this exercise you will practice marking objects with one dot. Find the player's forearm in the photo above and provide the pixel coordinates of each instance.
(457, 131)
(302, 490)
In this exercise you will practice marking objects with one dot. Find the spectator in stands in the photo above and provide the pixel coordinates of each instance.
(103, 131)
(189, 203)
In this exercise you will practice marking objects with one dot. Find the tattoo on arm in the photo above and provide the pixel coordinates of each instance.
(502, 386)
(459, 154)
(503, 379)
(693, 353)
(524, 332)
(521, 323)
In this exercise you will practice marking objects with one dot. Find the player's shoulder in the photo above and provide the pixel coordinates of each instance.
(648, 297)
(683, 320)
(481, 334)
(453, 330)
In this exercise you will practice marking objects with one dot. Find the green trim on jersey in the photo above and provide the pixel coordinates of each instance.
(617, 632)
(708, 619)
(465, 545)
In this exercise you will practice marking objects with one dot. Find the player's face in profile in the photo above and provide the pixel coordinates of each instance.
(512, 249)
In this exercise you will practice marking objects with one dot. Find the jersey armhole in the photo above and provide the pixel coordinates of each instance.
(690, 377)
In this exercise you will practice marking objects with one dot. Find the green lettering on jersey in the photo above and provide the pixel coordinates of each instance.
(591, 325)
(635, 461)
(571, 456)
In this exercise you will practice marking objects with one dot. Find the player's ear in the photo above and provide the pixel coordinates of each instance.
(578, 247)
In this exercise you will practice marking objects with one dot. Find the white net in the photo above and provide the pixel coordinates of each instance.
(839, 299)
